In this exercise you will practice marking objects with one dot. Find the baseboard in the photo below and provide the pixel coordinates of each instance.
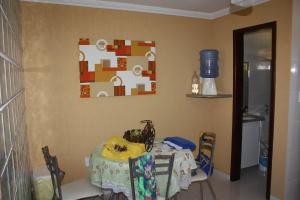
(274, 198)
(222, 174)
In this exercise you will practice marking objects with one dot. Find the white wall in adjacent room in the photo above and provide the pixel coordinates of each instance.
(292, 179)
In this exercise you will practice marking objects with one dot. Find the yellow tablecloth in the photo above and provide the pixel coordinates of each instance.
(132, 149)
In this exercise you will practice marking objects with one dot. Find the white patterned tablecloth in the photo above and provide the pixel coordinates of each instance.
(114, 174)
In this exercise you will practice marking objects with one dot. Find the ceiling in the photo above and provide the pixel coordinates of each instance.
(204, 9)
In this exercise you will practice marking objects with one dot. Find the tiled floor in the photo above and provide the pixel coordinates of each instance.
(250, 187)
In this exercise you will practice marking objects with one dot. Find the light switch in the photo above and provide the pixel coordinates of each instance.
(87, 161)
(298, 97)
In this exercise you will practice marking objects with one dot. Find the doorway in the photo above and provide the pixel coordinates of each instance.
(243, 107)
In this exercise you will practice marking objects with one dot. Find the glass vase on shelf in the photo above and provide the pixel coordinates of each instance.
(195, 84)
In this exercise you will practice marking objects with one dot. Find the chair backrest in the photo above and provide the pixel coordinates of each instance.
(56, 180)
(56, 174)
(207, 142)
(163, 166)
(47, 155)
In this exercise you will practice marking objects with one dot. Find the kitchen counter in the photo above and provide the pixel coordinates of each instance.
(249, 117)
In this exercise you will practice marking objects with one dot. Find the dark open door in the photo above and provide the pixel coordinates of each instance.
(238, 61)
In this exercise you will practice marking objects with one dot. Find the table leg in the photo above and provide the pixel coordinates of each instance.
(111, 195)
(201, 190)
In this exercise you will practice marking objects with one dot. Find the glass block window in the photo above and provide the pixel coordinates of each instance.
(14, 161)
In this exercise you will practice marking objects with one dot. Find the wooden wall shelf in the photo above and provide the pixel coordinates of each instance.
(209, 96)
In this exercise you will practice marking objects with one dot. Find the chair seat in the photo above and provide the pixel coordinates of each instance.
(200, 176)
(79, 189)
(160, 198)
(157, 197)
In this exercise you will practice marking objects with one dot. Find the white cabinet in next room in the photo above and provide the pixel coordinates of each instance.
(250, 144)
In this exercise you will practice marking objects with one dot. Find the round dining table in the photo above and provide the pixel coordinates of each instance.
(114, 174)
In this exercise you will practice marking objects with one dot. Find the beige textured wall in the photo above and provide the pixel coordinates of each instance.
(72, 127)
(275, 10)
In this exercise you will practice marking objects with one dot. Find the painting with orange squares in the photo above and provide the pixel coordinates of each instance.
(117, 68)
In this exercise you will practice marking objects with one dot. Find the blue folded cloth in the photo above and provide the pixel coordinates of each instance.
(204, 163)
(171, 144)
(182, 142)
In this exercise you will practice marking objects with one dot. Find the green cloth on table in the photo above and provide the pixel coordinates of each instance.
(147, 185)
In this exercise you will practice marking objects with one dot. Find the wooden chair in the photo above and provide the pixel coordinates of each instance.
(71, 191)
(163, 166)
(206, 148)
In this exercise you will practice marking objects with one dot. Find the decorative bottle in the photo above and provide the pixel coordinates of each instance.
(195, 83)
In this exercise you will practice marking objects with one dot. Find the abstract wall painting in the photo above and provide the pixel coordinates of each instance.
(117, 68)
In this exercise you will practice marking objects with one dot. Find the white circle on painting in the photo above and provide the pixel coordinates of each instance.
(101, 44)
(116, 80)
(102, 94)
(137, 70)
(150, 56)
(81, 56)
